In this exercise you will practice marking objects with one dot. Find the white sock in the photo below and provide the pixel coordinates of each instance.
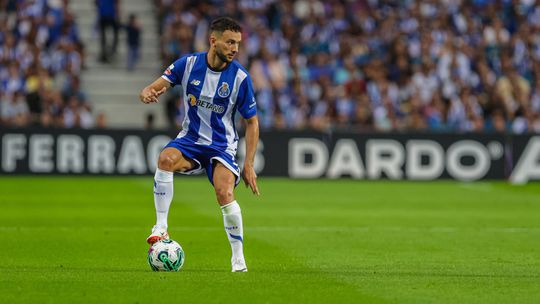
(232, 219)
(163, 194)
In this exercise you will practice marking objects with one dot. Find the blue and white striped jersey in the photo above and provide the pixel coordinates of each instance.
(211, 99)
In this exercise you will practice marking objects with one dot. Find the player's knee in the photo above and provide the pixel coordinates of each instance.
(166, 162)
(224, 194)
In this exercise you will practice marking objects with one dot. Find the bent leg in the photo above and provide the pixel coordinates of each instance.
(170, 160)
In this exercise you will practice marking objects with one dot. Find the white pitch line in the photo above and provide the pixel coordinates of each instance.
(479, 186)
(291, 229)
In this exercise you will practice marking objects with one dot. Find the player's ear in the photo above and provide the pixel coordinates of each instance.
(213, 39)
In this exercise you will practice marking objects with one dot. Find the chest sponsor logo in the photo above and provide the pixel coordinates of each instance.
(193, 101)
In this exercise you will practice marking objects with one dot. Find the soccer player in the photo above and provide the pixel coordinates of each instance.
(214, 87)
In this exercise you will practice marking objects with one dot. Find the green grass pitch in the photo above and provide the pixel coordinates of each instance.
(82, 240)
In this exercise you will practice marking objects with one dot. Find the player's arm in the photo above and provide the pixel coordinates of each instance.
(151, 93)
(252, 138)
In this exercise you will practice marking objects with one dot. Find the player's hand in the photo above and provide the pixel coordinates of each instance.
(150, 95)
(250, 178)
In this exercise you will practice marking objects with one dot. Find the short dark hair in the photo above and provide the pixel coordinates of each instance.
(223, 24)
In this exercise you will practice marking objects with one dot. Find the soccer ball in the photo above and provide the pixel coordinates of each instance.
(166, 255)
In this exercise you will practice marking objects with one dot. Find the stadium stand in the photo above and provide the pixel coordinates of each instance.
(455, 66)
(113, 85)
(41, 60)
(374, 65)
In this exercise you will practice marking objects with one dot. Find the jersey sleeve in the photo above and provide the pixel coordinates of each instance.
(175, 71)
(247, 106)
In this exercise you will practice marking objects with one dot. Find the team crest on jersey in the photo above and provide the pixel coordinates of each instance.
(224, 90)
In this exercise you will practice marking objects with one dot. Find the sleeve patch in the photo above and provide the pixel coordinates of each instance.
(168, 71)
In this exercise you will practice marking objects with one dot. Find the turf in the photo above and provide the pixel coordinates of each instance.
(82, 240)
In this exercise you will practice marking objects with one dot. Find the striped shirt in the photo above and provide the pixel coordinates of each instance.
(211, 99)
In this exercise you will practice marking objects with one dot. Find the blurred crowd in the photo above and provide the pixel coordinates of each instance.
(437, 65)
(41, 61)
(371, 65)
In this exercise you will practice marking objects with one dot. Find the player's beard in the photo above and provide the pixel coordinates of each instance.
(222, 56)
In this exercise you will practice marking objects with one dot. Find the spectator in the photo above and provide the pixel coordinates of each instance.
(14, 111)
(133, 29)
(73, 88)
(513, 91)
(101, 120)
(149, 121)
(109, 14)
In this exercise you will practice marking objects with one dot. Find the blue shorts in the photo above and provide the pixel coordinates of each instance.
(204, 156)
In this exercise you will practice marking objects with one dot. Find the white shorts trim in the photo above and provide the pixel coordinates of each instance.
(196, 170)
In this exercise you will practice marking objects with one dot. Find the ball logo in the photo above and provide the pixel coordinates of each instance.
(224, 90)
(192, 100)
